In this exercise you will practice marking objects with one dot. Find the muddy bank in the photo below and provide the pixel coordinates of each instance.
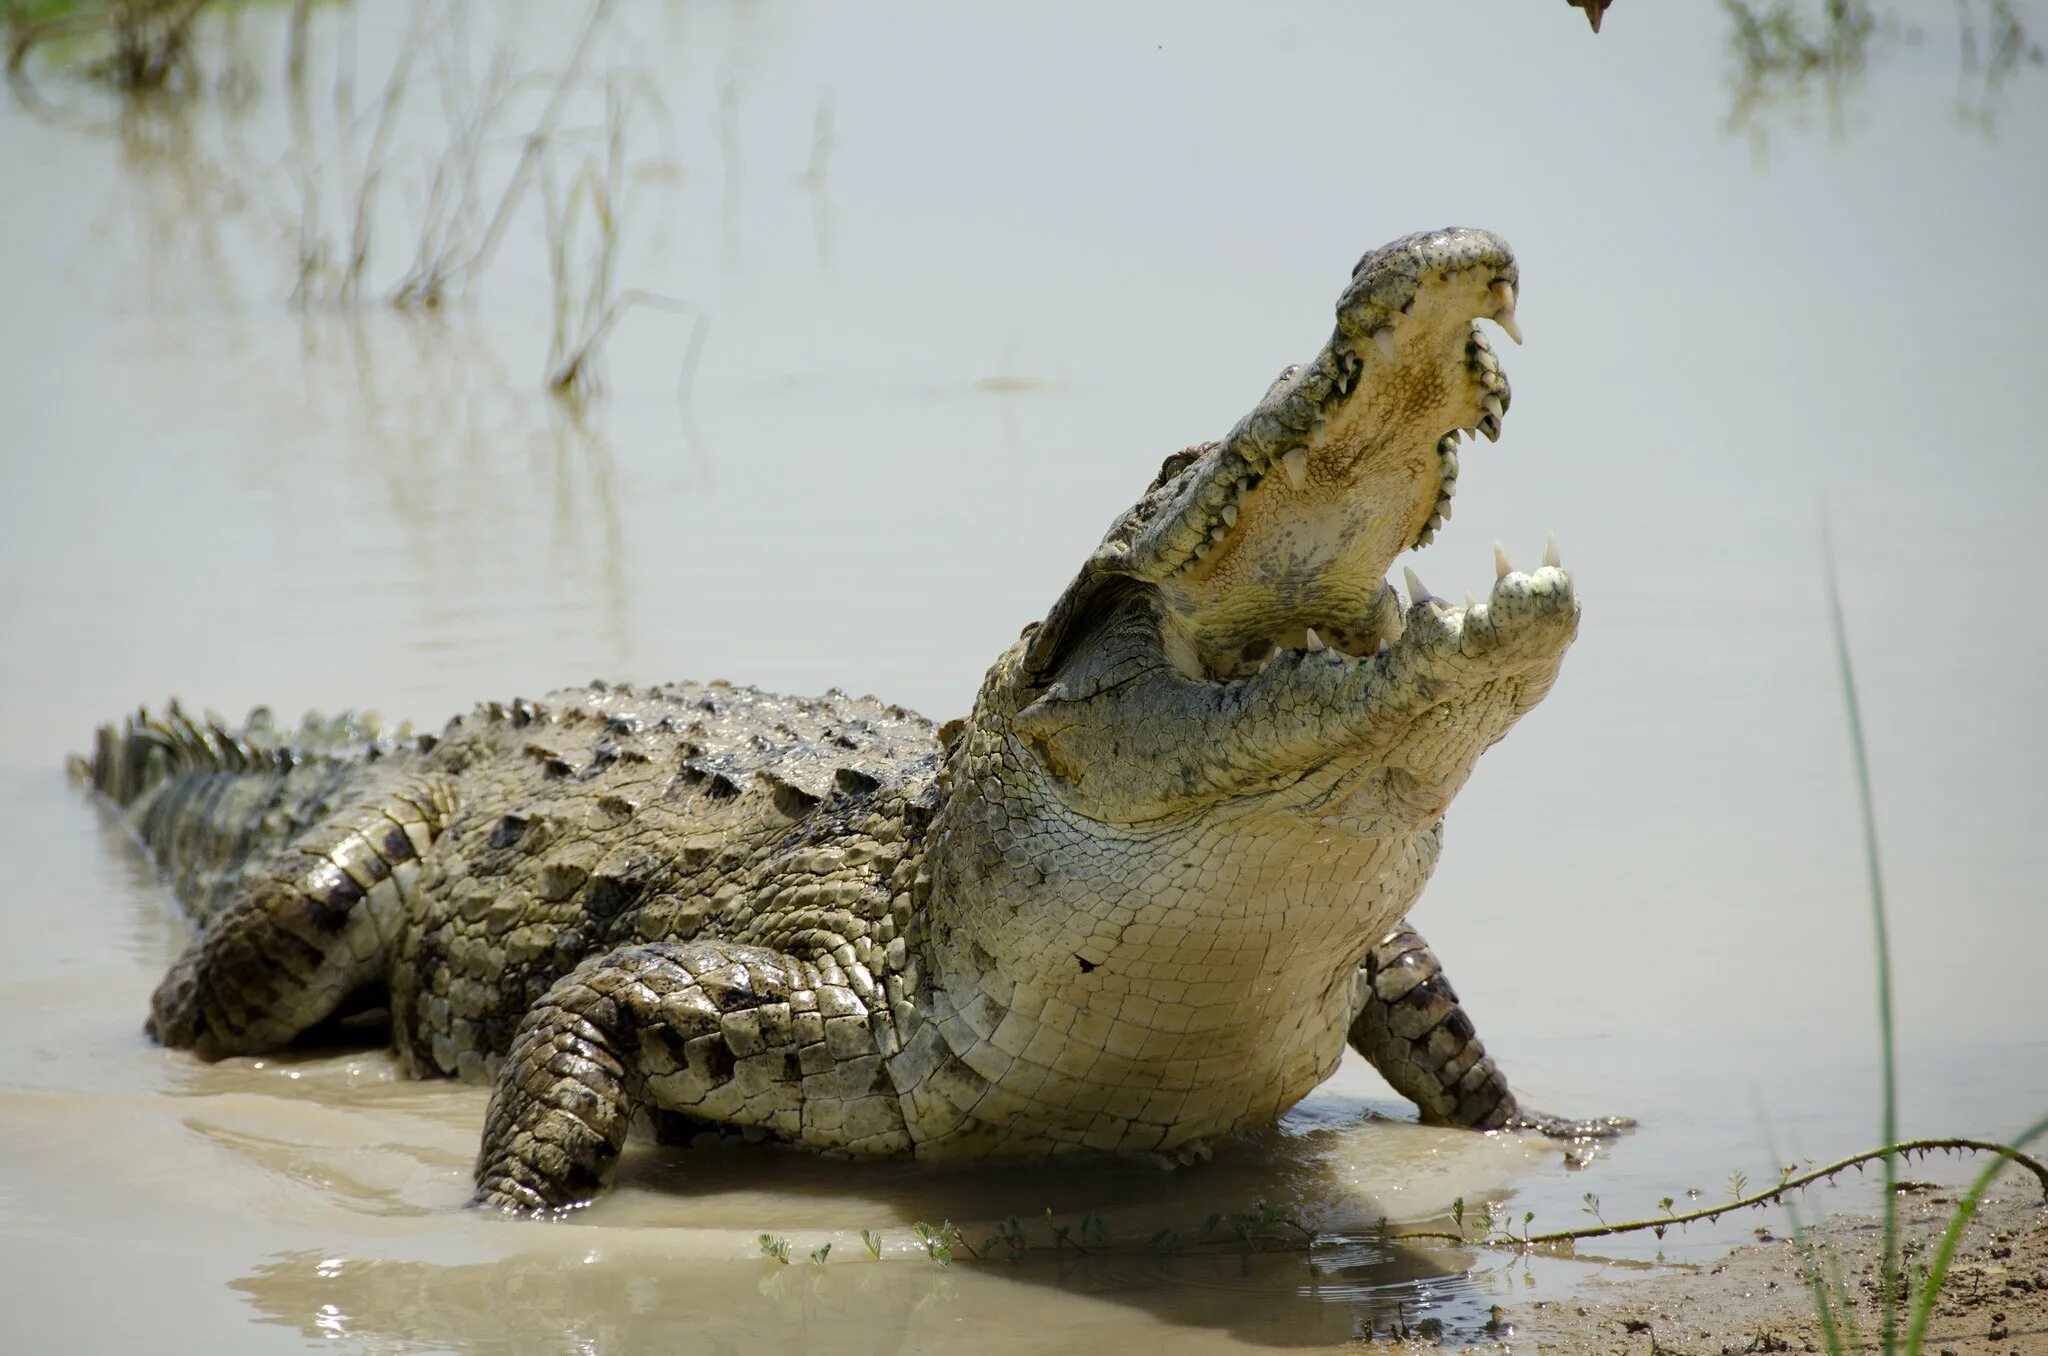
(1757, 1299)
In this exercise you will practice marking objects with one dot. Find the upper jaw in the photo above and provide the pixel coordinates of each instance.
(1350, 459)
(1294, 517)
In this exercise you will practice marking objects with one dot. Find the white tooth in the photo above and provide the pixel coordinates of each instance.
(1443, 509)
(1448, 462)
(1384, 337)
(1550, 552)
(1501, 568)
(1230, 515)
(1202, 551)
(1494, 407)
(1314, 641)
(1416, 592)
(1295, 463)
(1504, 297)
(1218, 532)
(1470, 601)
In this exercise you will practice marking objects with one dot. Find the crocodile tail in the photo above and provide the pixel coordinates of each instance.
(140, 755)
(207, 799)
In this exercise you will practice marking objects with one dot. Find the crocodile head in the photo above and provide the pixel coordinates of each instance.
(1217, 771)
(1280, 536)
(1247, 585)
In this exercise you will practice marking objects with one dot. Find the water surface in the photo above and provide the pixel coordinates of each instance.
(963, 279)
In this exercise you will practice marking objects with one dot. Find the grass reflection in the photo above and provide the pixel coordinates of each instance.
(1791, 57)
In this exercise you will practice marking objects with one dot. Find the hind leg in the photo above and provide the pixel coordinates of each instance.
(1407, 1021)
(704, 1032)
(307, 930)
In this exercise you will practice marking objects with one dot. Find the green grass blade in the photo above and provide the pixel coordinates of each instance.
(1937, 1271)
(1881, 935)
(1824, 1290)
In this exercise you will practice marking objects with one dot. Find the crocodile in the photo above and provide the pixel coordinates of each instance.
(1140, 899)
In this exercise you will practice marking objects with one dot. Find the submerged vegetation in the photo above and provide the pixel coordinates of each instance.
(448, 157)
(139, 46)
(1791, 55)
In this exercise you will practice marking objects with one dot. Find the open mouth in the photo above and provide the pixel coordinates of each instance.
(1276, 540)
(1279, 538)
(1293, 464)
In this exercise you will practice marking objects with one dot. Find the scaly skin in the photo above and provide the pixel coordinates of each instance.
(1141, 898)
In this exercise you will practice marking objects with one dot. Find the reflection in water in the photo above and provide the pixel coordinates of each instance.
(1996, 47)
(813, 180)
(424, 154)
(1788, 57)
(600, 1293)
(442, 423)
(141, 47)
(378, 1165)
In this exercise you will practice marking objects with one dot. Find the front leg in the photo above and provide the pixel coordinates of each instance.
(1409, 1025)
(702, 1032)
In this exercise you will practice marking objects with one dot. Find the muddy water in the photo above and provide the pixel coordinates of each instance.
(963, 281)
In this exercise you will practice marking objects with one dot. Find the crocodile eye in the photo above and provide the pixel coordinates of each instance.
(1286, 374)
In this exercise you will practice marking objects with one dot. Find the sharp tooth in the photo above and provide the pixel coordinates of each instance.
(1447, 463)
(1416, 592)
(1314, 642)
(1295, 463)
(1384, 337)
(1218, 532)
(1425, 537)
(1494, 407)
(1202, 551)
(1479, 340)
(1230, 515)
(1504, 298)
(1550, 552)
(1501, 568)
(1470, 601)
(1443, 508)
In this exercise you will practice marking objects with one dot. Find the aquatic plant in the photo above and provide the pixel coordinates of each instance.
(1830, 1294)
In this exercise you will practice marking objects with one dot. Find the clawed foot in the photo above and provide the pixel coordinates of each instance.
(1562, 1127)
